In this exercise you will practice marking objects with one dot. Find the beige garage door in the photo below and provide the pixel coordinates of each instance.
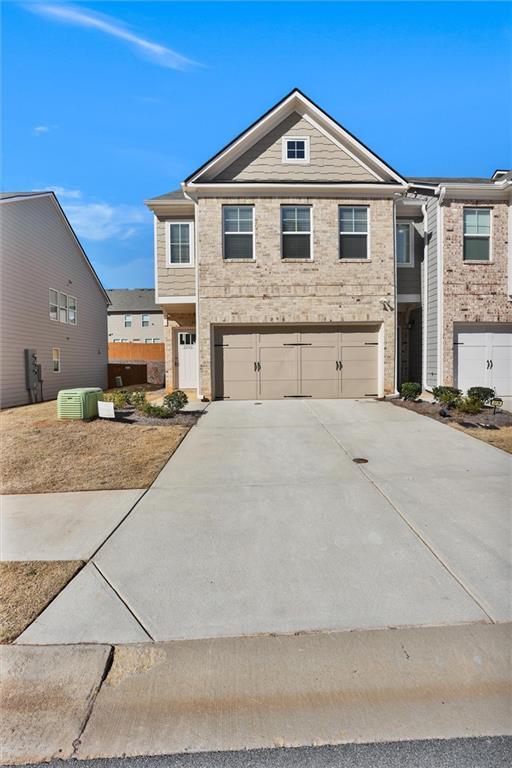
(298, 361)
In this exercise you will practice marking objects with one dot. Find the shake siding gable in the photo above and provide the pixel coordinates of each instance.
(39, 252)
(172, 281)
(263, 161)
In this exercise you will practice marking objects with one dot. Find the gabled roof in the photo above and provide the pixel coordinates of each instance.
(133, 300)
(13, 197)
(298, 102)
(176, 196)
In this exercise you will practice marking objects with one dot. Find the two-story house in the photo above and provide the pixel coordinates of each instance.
(53, 307)
(297, 263)
(133, 316)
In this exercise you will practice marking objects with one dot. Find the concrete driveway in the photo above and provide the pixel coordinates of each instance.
(262, 523)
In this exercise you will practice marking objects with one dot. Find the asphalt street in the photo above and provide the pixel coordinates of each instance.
(493, 752)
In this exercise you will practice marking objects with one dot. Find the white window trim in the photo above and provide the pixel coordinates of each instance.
(295, 160)
(51, 304)
(341, 260)
(54, 360)
(143, 315)
(489, 236)
(130, 315)
(252, 233)
(76, 310)
(411, 243)
(310, 233)
(191, 262)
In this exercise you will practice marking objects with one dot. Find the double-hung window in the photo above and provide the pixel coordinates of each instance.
(127, 321)
(238, 229)
(353, 232)
(72, 319)
(63, 308)
(54, 304)
(145, 321)
(56, 360)
(296, 231)
(180, 241)
(404, 244)
(477, 234)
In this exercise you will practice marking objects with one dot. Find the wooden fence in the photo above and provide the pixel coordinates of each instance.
(122, 351)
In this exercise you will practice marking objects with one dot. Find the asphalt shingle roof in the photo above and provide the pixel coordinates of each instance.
(132, 300)
(176, 194)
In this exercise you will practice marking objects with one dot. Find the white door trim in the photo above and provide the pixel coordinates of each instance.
(177, 332)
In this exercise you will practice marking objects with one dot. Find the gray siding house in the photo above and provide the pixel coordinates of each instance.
(133, 316)
(52, 302)
(297, 263)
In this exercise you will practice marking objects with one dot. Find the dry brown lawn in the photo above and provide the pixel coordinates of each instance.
(42, 454)
(501, 438)
(26, 589)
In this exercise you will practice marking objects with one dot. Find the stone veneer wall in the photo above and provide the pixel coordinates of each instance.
(269, 290)
(474, 293)
(174, 320)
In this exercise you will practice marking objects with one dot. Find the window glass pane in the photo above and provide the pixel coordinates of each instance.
(353, 219)
(54, 305)
(353, 246)
(145, 321)
(476, 249)
(296, 246)
(238, 246)
(63, 305)
(477, 221)
(470, 221)
(127, 321)
(295, 219)
(175, 233)
(184, 233)
(360, 219)
(403, 244)
(484, 222)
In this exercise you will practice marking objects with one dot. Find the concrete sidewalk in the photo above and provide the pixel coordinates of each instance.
(255, 692)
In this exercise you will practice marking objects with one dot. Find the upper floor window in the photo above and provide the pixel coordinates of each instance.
(72, 310)
(296, 232)
(295, 149)
(145, 321)
(353, 232)
(127, 321)
(477, 234)
(180, 244)
(405, 244)
(238, 228)
(54, 304)
(63, 308)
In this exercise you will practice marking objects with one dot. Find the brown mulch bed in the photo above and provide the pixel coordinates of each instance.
(42, 454)
(493, 428)
(26, 588)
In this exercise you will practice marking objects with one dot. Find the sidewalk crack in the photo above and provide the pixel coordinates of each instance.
(106, 669)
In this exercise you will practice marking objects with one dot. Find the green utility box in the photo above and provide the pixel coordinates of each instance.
(80, 403)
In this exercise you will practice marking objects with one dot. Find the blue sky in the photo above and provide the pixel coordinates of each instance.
(114, 102)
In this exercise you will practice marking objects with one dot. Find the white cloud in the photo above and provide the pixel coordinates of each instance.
(157, 53)
(40, 129)
(62, 192)
(102, 221)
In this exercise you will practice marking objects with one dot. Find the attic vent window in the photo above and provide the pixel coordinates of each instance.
(295, 149)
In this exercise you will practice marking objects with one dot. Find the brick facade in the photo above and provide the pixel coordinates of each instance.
(269, 290)
(475, 293)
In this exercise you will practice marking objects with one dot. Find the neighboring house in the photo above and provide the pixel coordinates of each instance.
(298, 263)
(133, 316)
(52, 303)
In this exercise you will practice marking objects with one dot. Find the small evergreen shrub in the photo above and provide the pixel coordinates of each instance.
(137, 398)
(484, 394)
(175, 401)
(118, 397)
(468, 405)
(410, 390)
(446, 395)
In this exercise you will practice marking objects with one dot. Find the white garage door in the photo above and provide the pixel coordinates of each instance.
(301, 361)
(483, 358)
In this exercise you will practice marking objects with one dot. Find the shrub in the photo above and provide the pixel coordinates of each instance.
(118, 397)
(175, 401)
(468, 405)
(410, 390)
(484, 394)
(156, 411)
(446, 395)
(137, 398)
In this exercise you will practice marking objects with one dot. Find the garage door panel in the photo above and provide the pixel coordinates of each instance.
(483, 357)
(277, 338)
(358, 369)
(328, 338)
(277, 354)
(358, 387)
(319, 355)
(359, 337)
(230, 340)
(322, 388)
(275, 390)
(315, 370)
(357, 354)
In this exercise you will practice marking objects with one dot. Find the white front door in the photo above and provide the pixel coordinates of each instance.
(187, 359)
(483, 358)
